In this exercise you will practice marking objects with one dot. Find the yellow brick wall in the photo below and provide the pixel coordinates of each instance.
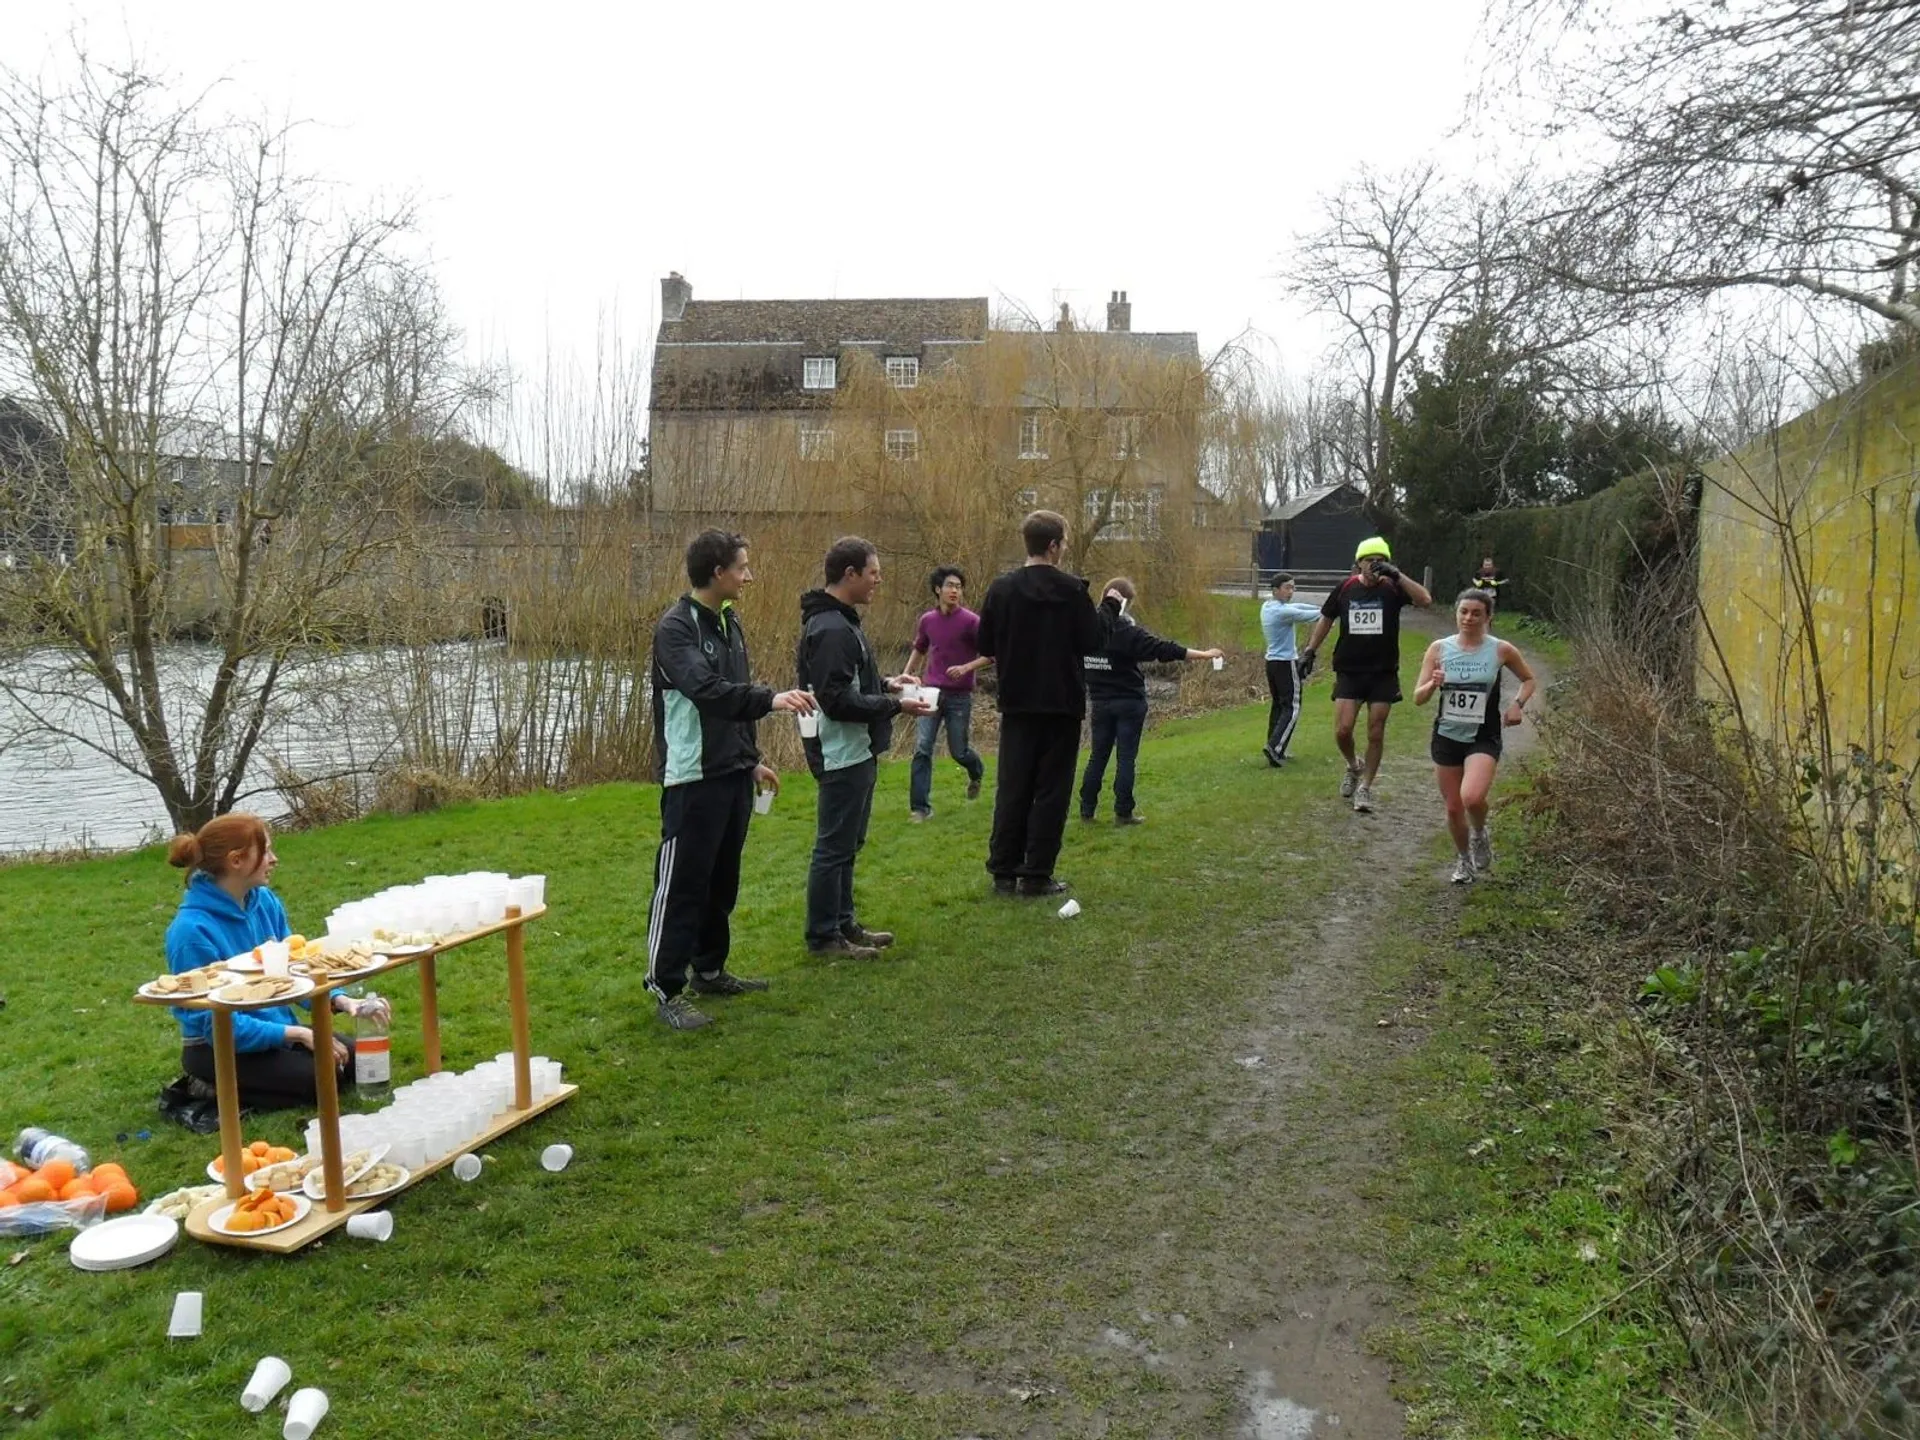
(1830, 498)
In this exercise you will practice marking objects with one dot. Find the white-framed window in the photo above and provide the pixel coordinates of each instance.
(903, 371)
(1124, 432)
(1033, 436)
(816, 441)
(1027, 500)
(819, 372)
(903, 444)
(1135, 514)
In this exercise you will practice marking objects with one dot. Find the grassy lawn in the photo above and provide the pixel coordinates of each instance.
(834, 1211)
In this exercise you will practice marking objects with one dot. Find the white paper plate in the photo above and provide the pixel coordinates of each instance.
(342, 977)
(251, 1182)
(120, 1244)
(218, 1220)
(396, 950)
(219, 1179)
(301, 986)
(406, 1179)
(153, 994)
(316, 1183)
(244, 964)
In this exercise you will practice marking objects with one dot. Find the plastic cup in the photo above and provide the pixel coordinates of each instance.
(268, 1376)
(185, 1323)
(373, 1225)
(556, 1157)
(809, 725)
(763, 802)
(467, 1167)
(1070, 909)
(304, 1413)
(1219, 662)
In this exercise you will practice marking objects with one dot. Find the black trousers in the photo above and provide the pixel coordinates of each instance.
(1283, 684)
(844, 808)
(269, 1079)
(696, 879)
(1033, 789)
(1114, 729)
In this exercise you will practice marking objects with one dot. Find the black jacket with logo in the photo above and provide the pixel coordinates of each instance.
(1114, 673)
(705, 703)
(1038, 623)
(835, 661)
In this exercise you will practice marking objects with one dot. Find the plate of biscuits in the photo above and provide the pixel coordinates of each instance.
(262, 990)
(188, 984)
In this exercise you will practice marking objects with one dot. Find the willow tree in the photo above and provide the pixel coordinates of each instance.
(201, 349)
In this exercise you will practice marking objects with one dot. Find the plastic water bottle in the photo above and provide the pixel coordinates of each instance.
(36, 1147)
(372, 1049)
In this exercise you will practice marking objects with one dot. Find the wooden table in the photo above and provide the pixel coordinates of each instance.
(329, 1215)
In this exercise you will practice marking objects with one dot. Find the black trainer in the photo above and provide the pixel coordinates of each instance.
(680, 1014)
(843, 949)
(872, 939)
(1005, 885)
(727, 983)
(1031, 889)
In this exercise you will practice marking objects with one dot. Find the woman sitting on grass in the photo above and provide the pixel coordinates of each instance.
(226, 911)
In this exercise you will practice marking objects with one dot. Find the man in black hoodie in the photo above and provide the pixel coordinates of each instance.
(856, 725)
(1119, 694)
(1037, 623)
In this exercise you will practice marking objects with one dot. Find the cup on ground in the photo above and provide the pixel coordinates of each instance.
(304, 1412)
(268, 1376)
(373, 1225)
(1070, 909)
(185, 1323)
(467, 1167)
(556, 1157)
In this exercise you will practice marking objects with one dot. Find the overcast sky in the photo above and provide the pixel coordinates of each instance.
(566, 155)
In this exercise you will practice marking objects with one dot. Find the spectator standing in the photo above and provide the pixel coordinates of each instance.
(1286, 672)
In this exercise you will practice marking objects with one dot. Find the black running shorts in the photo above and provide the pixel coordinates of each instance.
(1381, 687)
(1453, 753)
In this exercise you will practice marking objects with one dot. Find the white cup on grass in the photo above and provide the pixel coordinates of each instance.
(268, 1376)
(304, 1413)
(556, 1157)
(467, 1167)
(373, 1225)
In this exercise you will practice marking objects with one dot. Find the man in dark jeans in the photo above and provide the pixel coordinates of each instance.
(946, 641)
(1118, 692)
(705, 706)
(1037, 624)
(837, 664)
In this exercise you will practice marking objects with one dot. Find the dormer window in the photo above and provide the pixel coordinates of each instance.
(819, 372)
(903, 371)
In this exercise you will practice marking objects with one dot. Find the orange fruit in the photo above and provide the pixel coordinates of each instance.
(33, 1190)
(259, 1147)
(121, 1197)
(78, 1188)
(108, 1175)
(56, 1173)
(280, 1153)
(8, 1199)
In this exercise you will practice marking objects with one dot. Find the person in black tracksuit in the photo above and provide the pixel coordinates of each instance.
(837, 664)
(1118, 694)
(1037, 624)
(705, 706)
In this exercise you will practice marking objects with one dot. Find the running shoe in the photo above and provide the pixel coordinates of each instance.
(1272, 759)
(1032, 888)
(679, 1014)
(1480, 847)
(872, 939)
(1350, 783)
(1463, 871)
(727, 983)
(1363, 799)
(841, 948)
(919, 816)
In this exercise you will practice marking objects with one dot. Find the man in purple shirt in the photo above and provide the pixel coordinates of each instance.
(947, 643)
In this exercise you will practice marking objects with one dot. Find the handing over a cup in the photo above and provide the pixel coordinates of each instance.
(913, 697)
(804, 708)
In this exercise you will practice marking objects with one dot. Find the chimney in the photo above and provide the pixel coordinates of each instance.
(1065, 322)
(675, 292)
(1119, 313)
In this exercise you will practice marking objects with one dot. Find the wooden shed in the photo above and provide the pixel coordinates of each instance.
(1317, 530)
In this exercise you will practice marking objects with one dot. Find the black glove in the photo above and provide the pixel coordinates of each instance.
(1386, 570)
(1307, 657)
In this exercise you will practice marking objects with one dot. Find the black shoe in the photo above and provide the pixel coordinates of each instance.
(1275, 760)
(973, 790)
(1005, 885)
(841, 948)
(679, 1014)
(1031, 889)
(872, 939)
(1129, 820)
(727, 983)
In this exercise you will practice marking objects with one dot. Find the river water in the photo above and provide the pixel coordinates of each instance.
(344, 715)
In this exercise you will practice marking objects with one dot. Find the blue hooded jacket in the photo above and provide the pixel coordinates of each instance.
(210, 928)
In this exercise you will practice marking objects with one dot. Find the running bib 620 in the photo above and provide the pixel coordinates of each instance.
(1366, 620)
(1466, 706)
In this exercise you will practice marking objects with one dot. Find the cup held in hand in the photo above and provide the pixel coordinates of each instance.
(809, 725)
(1219, 662)
(763, 802)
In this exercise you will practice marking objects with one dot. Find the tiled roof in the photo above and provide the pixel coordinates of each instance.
(826, 322)
(1307, 499)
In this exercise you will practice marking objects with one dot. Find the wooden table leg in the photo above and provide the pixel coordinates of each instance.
(522, 1024)
(226, 1086)
(429, 1014)
(327, 1089)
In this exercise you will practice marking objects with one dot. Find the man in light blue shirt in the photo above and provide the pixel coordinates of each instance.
(1285, 678)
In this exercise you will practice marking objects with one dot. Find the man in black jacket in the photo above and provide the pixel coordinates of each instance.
(1037, 624)
(705, 706)
(1118, 692)
(856, 726)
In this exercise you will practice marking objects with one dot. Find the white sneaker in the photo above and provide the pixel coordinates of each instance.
(1363, 799)
(1480, 848)
(1349, 783)
(1463, 871)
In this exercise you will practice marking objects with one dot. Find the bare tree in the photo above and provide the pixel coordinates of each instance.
(210, 347)
(1771, 143)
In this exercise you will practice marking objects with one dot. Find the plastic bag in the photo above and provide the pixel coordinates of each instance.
(42, 1217)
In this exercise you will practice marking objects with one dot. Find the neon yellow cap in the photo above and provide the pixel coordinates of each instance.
(1373, 545)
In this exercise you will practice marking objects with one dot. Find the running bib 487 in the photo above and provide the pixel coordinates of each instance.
(1466, 707)
(1366, 620)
